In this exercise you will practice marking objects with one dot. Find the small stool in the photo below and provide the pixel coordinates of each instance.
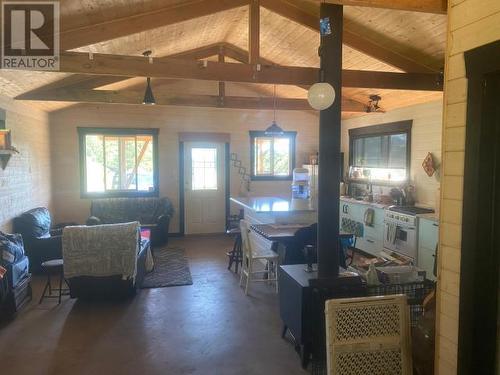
(236, 255)
(54, 267)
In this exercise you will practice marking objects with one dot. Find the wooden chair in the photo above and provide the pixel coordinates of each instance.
(257, 251)
(368, 335)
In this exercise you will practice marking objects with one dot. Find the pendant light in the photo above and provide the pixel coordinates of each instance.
(274, 128)
(321, 95)
(149, 98)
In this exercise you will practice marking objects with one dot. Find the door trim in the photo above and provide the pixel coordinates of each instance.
(227, 184)
(478, 271)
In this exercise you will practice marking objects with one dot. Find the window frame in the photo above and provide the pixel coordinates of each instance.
(291, 135)
(387, 129)
(84, 131)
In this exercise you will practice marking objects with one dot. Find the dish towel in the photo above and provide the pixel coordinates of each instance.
(391, 232)
(352, 226)
(369, 216)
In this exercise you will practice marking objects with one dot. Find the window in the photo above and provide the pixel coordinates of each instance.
(381, 152)
(118, 162)
(204, 168)
(272, 157)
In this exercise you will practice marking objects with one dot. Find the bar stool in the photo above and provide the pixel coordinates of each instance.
(54, 267)
(236, 255)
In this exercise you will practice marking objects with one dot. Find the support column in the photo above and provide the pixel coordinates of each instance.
(329, 146)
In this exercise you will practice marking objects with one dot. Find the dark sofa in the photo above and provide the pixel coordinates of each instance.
(40, 243)
(153, 214)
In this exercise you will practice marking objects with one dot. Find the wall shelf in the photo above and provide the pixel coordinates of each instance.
(5, 156)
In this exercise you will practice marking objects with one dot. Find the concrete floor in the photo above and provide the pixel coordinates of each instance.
(210, 327)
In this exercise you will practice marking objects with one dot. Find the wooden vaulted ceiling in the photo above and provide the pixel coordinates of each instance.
(375, 39)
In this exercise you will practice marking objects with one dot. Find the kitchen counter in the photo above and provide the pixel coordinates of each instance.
(274, 210)
(372, 204)
(432, 216)
(274, 204)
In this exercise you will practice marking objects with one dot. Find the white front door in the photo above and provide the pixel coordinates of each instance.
(204, 187)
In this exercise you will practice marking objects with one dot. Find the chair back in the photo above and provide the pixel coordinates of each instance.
(33, 224)
(368, 335)
(145, 210)
(101, 250)
(245, 238)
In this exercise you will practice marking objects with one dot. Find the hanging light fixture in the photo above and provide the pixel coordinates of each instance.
(321, 95)
(274, 128)
(373, 104)
(149, 98)
(148, 95)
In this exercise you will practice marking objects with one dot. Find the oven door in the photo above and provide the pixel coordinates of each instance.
(401, 239)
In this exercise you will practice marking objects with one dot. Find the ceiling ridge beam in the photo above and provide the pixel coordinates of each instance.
(360, 43)
(116, 28)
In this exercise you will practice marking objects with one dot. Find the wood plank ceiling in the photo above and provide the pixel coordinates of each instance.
(416, 37)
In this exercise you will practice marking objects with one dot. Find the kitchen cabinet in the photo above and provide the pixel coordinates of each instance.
(428, 235)
(372, 239)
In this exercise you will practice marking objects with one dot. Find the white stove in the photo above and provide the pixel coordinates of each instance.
(401, 229)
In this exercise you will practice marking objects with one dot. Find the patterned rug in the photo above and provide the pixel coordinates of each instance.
(171, 269)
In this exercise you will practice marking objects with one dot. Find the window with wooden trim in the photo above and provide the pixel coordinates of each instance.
(380, 153)
(272, 157)
(118, 162)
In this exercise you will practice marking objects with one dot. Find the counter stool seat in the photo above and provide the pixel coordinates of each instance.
(54, 267)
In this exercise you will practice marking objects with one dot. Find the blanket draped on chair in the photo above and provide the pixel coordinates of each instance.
(103, 250)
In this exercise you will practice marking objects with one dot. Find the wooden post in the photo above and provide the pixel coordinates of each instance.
(254, 32)
(329, 146)
(222, 84)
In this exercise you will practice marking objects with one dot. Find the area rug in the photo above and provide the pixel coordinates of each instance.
(171, 268)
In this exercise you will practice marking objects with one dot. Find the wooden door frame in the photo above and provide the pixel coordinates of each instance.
(227, 179)
(479, 269)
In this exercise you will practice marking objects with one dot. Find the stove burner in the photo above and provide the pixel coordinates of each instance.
(411, 210)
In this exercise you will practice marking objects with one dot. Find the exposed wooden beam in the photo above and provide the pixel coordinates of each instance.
(426, 6)
(222, 84)
(103, 64)
(133, 97)
(84, 81)
(198, 53)
(120, 27)
(134, 66)
(254, 32)
(350, 37)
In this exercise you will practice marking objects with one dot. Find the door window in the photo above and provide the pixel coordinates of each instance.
(204, 168)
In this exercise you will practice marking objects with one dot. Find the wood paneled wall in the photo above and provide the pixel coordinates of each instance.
(171, 121)
(26, 182)
(472, 23)
(426, 137)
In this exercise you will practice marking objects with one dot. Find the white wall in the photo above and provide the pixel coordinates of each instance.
(171, 121)
(426, 137)
(26, 182)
